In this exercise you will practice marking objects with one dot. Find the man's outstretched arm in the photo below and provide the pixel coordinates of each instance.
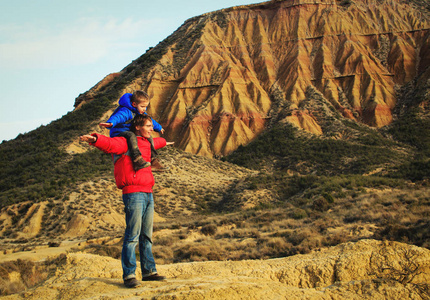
(88, 138)
(116, 145)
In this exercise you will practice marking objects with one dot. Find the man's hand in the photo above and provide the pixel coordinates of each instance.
(169, 143)
(105, 125)
(88, 138)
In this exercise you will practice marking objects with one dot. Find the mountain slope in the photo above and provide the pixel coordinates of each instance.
(223, 77)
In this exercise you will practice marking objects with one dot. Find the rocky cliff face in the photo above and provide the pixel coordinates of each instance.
(223, 77)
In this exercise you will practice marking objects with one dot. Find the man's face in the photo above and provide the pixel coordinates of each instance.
(145, 130)
(141, 106)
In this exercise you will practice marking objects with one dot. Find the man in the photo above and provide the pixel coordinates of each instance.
(137, 196)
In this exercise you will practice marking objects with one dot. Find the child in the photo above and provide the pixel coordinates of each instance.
(119, 124)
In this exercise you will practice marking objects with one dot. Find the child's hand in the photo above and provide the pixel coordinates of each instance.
(106, 125)
(88, 138)
(169, 143)
(162, 131)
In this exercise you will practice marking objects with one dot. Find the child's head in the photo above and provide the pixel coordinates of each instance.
(140, 100)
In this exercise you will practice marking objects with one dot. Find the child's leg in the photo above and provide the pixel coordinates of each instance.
(155, 162)
(131, 143)
(153, 151)
(136, 156)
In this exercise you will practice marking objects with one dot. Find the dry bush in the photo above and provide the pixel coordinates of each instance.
(299, 213)
(199, 252)
(320, 204)
(335, 238)
(163, 255)
(240, 233)
(406, 269)
(7, 287)
(167, 241)
(273, 247)
(326, 222)
(209, 229)
(104, 250)
(30, 274)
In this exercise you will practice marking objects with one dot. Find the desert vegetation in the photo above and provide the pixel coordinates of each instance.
(297, 226)
(300, 225)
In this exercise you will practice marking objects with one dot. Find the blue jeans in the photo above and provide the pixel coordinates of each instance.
(139, 215)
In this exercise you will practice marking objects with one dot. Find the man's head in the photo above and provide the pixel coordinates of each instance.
(140, 100)
(142, 125)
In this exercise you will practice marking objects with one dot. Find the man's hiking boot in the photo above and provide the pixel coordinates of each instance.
(140, 163)
(131, 283)
(156, 166)
(153, 277)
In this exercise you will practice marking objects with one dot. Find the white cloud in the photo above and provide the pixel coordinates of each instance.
(45, 65)
(83, 42)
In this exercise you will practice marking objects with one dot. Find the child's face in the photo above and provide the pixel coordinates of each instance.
(141, 106)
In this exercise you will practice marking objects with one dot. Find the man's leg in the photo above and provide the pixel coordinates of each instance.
(133, 207)
(147, 261)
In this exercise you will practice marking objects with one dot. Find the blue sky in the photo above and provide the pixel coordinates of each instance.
(51, 51)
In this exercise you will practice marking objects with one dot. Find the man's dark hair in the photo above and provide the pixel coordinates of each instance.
(139, 120)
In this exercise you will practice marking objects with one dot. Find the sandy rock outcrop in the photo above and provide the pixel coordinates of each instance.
(367, 269)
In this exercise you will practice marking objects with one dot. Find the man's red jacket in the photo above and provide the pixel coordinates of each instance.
(126, 178)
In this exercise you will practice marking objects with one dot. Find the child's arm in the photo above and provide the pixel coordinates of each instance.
(106, 125)
(120, 116)
(157, 126)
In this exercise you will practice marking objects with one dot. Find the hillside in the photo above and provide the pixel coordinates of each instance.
(222, 78)
(299, 127)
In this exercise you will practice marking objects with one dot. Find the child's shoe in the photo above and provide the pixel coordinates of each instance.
(156, 166)
(140, 163)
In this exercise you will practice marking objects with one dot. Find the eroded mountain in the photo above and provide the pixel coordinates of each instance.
(223, 77)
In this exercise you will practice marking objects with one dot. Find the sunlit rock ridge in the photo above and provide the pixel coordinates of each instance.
(225, 76)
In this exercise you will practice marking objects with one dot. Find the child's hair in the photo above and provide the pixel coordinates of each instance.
(139, 120)
(139, 96)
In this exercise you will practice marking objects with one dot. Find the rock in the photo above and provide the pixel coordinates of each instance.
(347, 271)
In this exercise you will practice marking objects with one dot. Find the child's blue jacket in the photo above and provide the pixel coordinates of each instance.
(122, 116)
